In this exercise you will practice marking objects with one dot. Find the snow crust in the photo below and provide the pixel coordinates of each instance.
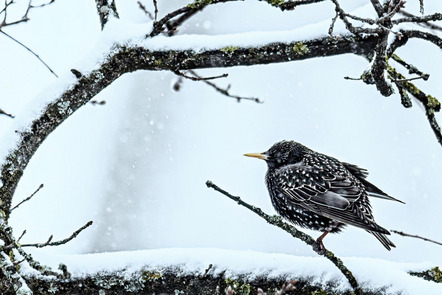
(370, 273)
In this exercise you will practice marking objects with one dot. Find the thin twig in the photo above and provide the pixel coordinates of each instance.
(143, 8)
(176, 72)
(24, 18)
(353, 79)
(156, 9)
(418, 19)
(423, 24)
(28, 49)
(226, 91)
(61, 242)
(414, 236)
(2, 112)
(349, 26)
(28, 198)
(332, 25)
(278, 221)
(361, 19)
(21, 236)
(424, 77)
(43, 4)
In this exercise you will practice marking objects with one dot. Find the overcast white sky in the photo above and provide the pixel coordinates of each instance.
(137, 166)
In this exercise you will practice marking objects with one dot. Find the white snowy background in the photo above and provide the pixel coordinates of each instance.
(137, 166)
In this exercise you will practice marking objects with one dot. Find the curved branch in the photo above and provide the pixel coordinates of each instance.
(423, 35)
(30, 50)
(278, 221)
(129, 59)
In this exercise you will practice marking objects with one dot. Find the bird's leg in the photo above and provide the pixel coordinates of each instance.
(318, 246)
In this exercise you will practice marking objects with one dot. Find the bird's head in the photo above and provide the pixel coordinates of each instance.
(282, 153)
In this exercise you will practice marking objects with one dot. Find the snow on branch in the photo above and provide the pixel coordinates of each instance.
(124, 59)
(170, 53)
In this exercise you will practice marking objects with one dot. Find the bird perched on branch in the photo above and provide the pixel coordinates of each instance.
(319, 192)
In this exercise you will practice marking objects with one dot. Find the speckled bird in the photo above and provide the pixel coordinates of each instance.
(319, 192)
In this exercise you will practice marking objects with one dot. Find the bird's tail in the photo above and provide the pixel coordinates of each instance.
(383, 239)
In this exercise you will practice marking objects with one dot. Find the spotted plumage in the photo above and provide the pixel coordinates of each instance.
(319, 192)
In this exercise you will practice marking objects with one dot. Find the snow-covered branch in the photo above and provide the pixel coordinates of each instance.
(124, 59)
(155, 47)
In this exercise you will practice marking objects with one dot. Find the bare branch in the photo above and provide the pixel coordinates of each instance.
(30, 50)
(198, 78)
(424, 36)
(24, 18)
(155, 5)
(21, 236)
(130, 59)
(28, 198)
(2, 112)
(414, 236)
(424, 24)
(417, 19)
(355, 30)
(61, 242)
(353, 79)
(361, 19)
(278, 221)
(424, 77)
(332, 25)
(143, 8)
(225, 91)
(392, 11)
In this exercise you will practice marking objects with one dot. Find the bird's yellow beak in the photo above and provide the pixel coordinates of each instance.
(257, 155)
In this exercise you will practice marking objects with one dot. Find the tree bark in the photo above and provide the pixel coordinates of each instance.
(124, 60)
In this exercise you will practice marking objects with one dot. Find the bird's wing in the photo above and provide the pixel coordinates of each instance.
(326, 195)
(372, 190)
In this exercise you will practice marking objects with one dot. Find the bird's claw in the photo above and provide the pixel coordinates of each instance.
(319, 247)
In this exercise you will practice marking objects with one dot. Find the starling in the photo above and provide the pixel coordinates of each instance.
(319, 192)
